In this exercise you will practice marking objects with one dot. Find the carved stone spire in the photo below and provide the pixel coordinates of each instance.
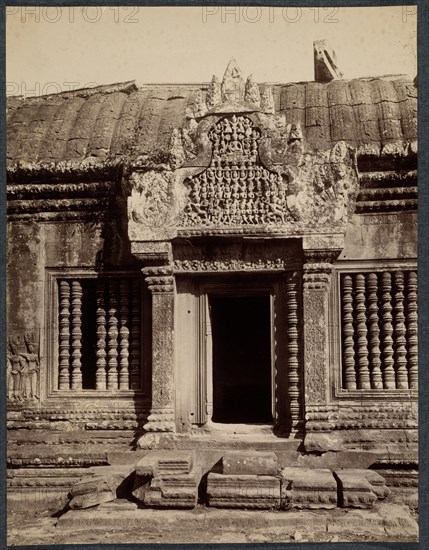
(200, 107)
(232, 83)
(267, 100)
(251, 91)
(214, 93)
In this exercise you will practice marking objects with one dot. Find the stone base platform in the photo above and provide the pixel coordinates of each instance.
(109, 522)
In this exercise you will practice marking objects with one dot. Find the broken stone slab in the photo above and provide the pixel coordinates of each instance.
(97, 490)
(308, 488)
(243, 491)
(173, 490)
(250, 463)
(165, 462)
(377, 481)
(354, 491)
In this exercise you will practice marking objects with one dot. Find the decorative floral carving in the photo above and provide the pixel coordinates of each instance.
(151, 206)
(230, 264)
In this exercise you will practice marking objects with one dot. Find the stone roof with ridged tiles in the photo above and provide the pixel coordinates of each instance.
(104, 125)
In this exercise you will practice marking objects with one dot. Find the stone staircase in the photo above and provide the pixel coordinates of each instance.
(233, 479)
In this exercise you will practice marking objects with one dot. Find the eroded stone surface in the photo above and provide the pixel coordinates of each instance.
(243, 491)
(174, 490)
(308, 488)
(377, 482)
(250, 463)
(95, 491)
(165, 462)
(354, 490)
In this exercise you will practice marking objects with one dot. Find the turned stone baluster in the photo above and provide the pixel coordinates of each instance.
(387, 353)
(292, 334)
(400, 341)
(124, 333)
(135, 342)
(412, 329)
(76, 334)
(64, 343)
(112, 342)
(348, 332)
(374, 332)
(364, 382)
(100, 376)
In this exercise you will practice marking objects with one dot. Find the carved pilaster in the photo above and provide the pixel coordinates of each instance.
(317, 276)
(412, 329)
(160, 281)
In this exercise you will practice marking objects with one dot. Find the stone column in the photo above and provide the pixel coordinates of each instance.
(316, 284)
(156, 256)
(160, 281)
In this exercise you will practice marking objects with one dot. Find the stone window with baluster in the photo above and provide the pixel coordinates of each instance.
(378, 313)
(96, 333)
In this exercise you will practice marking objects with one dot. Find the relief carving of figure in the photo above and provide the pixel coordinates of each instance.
(17, 363)
(32, 367)
(22, 369)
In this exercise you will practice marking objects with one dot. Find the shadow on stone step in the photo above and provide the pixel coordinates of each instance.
(340, 491)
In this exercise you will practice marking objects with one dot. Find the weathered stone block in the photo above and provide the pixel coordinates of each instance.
(377, 482)
(308, 488)
(250, 463)
(173, 490)
(165, 462)
(243, 491)
(354, 490)
(95, 491)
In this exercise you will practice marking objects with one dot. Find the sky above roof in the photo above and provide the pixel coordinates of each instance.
(53, 49)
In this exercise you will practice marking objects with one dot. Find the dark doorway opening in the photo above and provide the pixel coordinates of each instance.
(241, 331)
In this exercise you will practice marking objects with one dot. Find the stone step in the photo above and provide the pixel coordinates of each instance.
(385, 522)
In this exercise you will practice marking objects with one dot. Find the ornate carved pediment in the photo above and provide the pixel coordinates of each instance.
(236, 167)
(260, 175)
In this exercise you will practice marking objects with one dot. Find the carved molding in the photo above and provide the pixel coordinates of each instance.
(185, 266)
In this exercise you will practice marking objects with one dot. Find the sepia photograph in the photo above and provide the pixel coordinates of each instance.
(212, 276)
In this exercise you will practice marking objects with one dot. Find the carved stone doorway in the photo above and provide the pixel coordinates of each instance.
(241, 359)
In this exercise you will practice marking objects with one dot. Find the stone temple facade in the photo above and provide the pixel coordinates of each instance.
(194, 269)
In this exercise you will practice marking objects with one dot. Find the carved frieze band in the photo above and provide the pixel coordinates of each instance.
(261, 264)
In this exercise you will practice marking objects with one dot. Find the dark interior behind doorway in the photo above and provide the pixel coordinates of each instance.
(241, 359)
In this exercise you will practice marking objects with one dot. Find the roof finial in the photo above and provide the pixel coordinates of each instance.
(232, 83)
(325, 62)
